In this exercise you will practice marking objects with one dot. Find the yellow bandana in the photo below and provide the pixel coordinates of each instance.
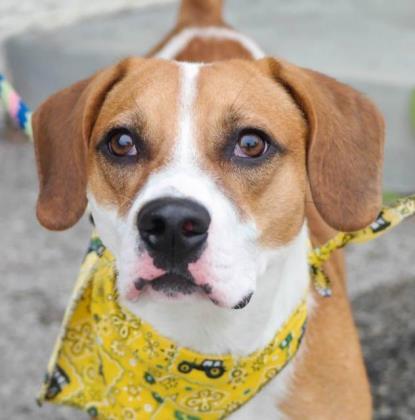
(116, 366)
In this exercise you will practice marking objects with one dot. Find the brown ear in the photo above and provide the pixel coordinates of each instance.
(345, 145)
(62, 126)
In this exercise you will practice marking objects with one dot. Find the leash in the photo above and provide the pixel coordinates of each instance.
(389, 217)
(16, 109)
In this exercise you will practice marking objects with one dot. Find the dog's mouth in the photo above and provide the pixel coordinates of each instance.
(171, 284)
(174, 285)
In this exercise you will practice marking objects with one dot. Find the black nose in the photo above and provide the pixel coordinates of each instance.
(174, 230)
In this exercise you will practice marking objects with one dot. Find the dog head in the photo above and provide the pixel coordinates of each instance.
(198, 175)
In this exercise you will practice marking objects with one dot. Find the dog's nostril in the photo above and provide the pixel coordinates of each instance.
(188, 228)
(193, 228)
(157, 226)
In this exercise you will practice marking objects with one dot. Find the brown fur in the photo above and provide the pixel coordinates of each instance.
(236, 89)
(62, 127)
(194, 13)
(202, 12)
(135, 103)
(331, 172)
(345, 144)
(203, 50)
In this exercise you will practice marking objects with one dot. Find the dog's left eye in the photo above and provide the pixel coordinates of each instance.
(250, 145)
(121, 144)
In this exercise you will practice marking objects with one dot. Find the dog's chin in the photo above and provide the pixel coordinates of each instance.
(177, 287)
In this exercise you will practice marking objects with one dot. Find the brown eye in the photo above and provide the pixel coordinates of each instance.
(250, 145)
(121, 144)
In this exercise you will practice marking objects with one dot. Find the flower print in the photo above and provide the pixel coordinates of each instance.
(259, 363)
(133, 390)
(128, 414)
(103, 326)
(205, 400)
(118, 348)
(238, 376)
(152, 346)
(170, 382)
(124, 325)
(82, 339)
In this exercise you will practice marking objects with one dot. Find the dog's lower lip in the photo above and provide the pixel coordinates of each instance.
(243, 302)
(170, 284)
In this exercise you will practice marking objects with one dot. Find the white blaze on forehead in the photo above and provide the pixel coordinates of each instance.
(185, 148)
(182, 176)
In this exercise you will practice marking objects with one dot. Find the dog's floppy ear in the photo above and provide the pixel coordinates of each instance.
(62, 126)
(345, 145)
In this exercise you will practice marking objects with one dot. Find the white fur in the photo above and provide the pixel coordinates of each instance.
(182, 39)
(238, 264)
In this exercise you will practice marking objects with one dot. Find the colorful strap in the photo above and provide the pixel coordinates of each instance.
(15, 107)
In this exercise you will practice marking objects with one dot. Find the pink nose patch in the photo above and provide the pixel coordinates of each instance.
(132, 293)
(200, 270)
(147, 270)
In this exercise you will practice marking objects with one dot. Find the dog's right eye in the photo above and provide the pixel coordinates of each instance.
(121, 144)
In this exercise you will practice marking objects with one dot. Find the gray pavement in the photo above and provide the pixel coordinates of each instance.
(38, 267)
(386, 318)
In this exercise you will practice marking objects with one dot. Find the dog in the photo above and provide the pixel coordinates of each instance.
(209, 169)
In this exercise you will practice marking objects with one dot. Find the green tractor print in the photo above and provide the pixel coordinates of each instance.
(212, 368)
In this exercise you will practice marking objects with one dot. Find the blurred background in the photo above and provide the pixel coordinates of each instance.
(47, 44)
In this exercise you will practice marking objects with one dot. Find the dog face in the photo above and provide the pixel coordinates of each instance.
(192, 192)
(197, 175)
